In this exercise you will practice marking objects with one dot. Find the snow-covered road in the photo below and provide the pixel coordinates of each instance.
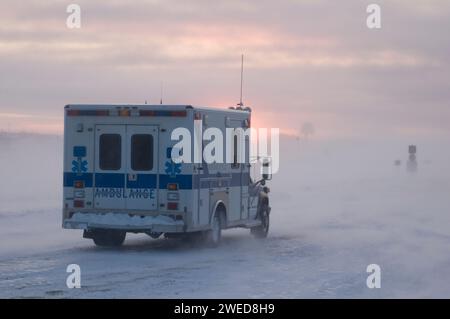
(336, 209)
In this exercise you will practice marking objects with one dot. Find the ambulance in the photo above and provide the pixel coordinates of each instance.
(120, 174)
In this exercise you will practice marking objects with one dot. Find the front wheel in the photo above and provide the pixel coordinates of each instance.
(262, 230)
(108, 237)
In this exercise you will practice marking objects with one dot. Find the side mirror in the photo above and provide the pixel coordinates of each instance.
(267, 174)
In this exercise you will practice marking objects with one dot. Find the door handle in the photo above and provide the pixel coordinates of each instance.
(132, 177)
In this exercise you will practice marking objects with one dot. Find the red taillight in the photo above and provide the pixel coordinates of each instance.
(73, 112)
(172, 206)
(172, 186)
(78, 184)
(78, 203)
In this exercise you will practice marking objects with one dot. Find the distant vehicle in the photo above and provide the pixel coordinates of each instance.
(411, 165)
(119, 175)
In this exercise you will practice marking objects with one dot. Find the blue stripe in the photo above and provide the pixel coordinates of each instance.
(184, 181)
(143, 181)
(116, 180)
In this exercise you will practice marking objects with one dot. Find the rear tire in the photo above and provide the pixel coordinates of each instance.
(213, 237)
(108, 237)
(195, 238)
(262, 230)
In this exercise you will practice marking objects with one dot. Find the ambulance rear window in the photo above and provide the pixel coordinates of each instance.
(110, 152)
(142, 152)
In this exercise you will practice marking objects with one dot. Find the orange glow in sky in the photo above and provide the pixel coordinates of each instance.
(16, 122)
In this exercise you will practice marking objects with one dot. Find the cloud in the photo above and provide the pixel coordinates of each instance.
(312, 59)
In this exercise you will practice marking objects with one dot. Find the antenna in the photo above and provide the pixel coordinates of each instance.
(242, 78)
(161, 100)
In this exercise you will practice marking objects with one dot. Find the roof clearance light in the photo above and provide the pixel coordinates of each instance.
(87, 112)
(178, 113)
(162, 113)
(124, 112)
(127, 112)
(146, 113)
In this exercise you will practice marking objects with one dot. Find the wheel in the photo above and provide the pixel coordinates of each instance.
(195, 238)
(154, 235)
(262, 230)
(108, 237)
(214, 236)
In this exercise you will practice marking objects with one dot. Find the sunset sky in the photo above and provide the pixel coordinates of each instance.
(305, 61)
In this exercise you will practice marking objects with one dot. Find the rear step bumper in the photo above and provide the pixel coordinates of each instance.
(123, 221)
